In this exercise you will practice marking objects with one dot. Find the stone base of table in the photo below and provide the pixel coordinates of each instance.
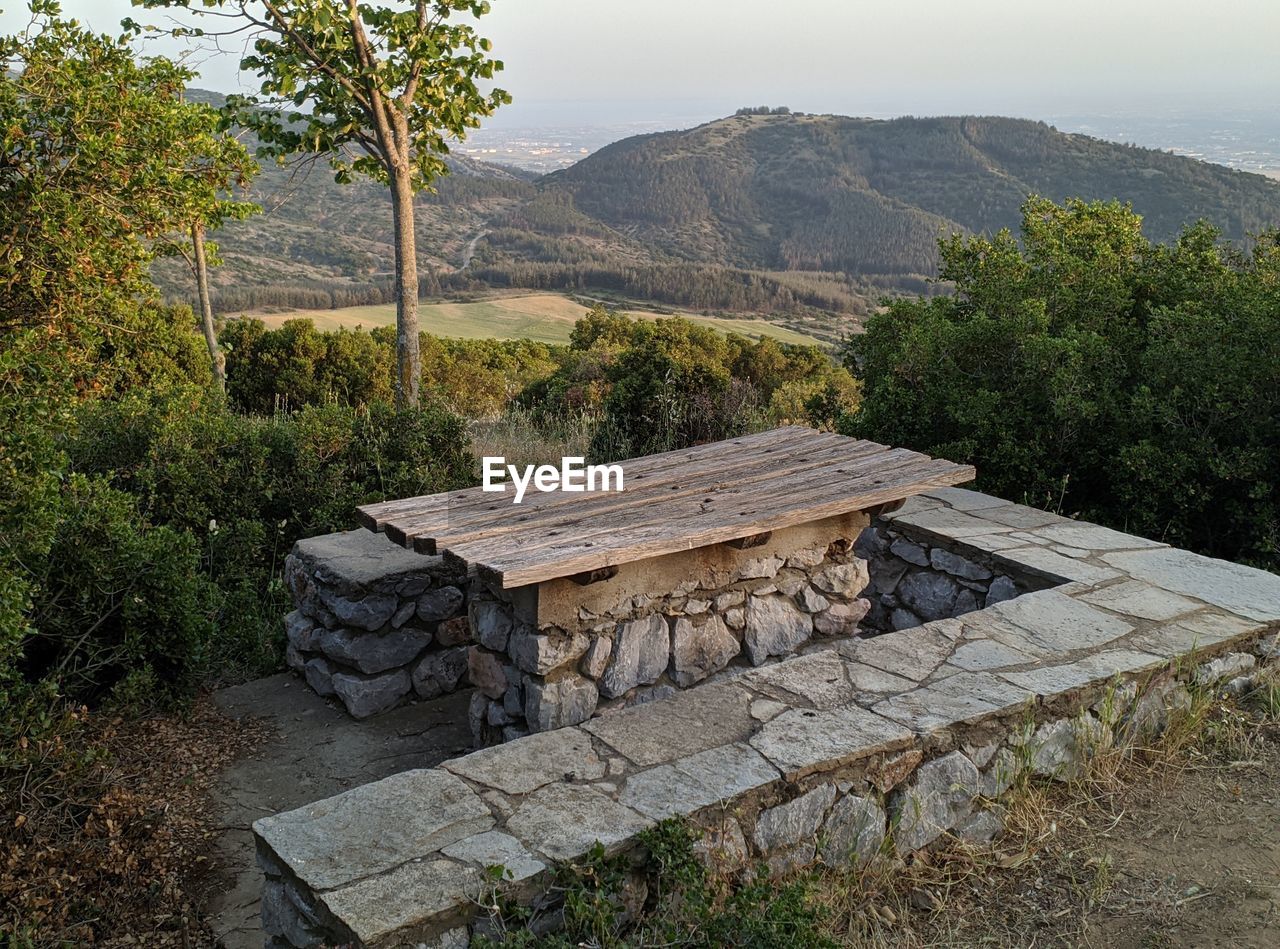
(374, 624)
(556, 653)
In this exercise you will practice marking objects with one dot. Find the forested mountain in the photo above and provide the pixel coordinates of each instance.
(753, 212)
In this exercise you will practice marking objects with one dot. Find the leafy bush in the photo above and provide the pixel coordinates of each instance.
(1087, 368)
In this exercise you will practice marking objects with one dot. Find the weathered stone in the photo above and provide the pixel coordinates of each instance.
(912, 653)
(886, 574)
(842, 579)
(938, 797)
(1162, 702)
(872, 681)
(497, 714)
(1224, 667)
(957, 566)
(1060, 749)
(549, 757)
(910, 552)
(929, 595)
(981, 654)
(641, 649)
(818, 679)
(700, 780)
(999, 776)
(722, 847)
(478, 717)
(792, 585)
(369, 612)
(1091, 537)
(409, 897)
(693, 720)
(729, 599)
(494, 848)
(892, 771)
(774, 628)
(652, 693)
(453, 632)
(982, 754)
(735, 618)
(539, 653)
(487, 671)
(1269, 648)
(966, 602)
(1053, 566)
(1135, 598)
(693, 607)
(1001, 589)
(374, 827)
(945, 522)
(490, 623)
(806, 558)
(795, 822)
(901, 619)
(801, 741)
(373, 652)
(293, 659)
(841, 619)
(759, 568)
(810, 600)
(564, 821)
(319, 675)
(566, 701)
(1053, 623)
(596, 657)
(439, 604)
(764, 709)
(1055, 680)
(698, 651)
(928, 710)
(281, 916)
(402, 614)
(439, 672)
(854, 832)
(365, 695)
(980, 828)
(301, 631)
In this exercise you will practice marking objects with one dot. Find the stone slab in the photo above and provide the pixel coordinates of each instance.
(818, 680)
(1141, 600)
(361, 557)
(1091, 537)
(1054, 680)
(565, 754)
(800, 741)
(1046, 563)
(910, 653)
(693, 720)
(562, 822)
(1245, 591)
(925, 711)
(944, 522)
(690, 784)
(494, 848)
(980, 654)
(1056, 625)
(1192, 633)
(375, 827)
(381, 910)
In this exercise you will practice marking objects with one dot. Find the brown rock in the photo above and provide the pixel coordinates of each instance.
(893, 771)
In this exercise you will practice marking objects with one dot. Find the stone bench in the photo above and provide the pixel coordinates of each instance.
(857, 746)
(734, 552)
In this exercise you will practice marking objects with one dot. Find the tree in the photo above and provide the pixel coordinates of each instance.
(386, 88)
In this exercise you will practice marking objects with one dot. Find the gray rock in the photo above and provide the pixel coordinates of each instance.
(478, 718)
(369, 612)
(939, 796)
(282, 917)
(549, 757)
(795, 822)
(843, 579)
(442, 603)
(929, 595)
(564, 821)
(807, 558)
(1001, 589)
(1163, 701)
(967, 601)
(651, 693)
(999, 776)
(774, 627)
(956, 565)
(368, 695)
(701, 780)
(566, 701)
(1224, 667)
(1057, 750)
(698, 651)
(493, 848)
(439, 672)
(1245, 591)
(761, 568)
(496, 715)
(841, 619)
(490, 622)
(911, 553)
(819, 678)
(810, 600)
(791, 585)
(735, 618)
(1269, 648)
(854, 832)
(901, 619)
(372, 653)
(982, 827)
(730, 598)
(597, 657)
(487, 671)
(539, 653)
(641, 650)
(319, 675)
(800, 741)
(300, 631)
(722, 847)
(295, 660)
(403, 613)
(696, 607)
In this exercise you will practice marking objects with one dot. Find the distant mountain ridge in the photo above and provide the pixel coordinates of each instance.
(767, 213)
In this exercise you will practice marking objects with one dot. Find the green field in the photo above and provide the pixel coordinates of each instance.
(547, 317)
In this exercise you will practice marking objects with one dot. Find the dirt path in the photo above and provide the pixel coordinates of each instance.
(317, 751)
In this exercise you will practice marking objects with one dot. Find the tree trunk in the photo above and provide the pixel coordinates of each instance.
(408, 367)
(216, 358)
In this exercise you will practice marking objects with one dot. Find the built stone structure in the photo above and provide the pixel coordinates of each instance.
(555, 653)
(858, 747)
(374, 624)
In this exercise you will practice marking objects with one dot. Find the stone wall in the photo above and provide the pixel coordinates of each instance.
(917, 579)
(861, 748)
(556, 653)
(374, 624)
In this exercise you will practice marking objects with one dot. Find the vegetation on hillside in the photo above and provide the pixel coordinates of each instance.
(1089, 369)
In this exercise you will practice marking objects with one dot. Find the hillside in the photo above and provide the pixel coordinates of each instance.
(792, 215)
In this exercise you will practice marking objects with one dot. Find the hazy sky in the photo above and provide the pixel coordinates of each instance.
(632, 60)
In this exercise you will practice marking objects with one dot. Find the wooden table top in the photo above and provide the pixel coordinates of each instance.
(678, 500)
